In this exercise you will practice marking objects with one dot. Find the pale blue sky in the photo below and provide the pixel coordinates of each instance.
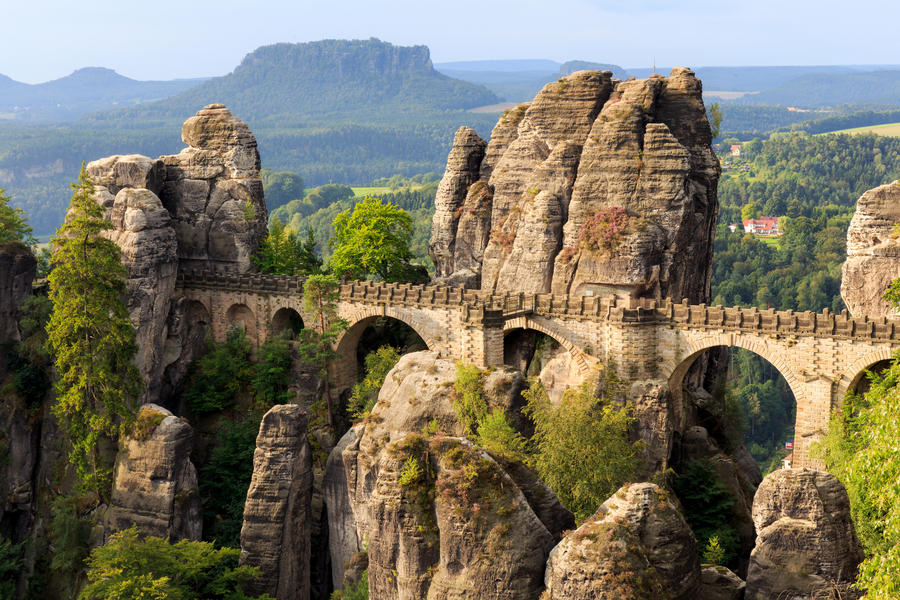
(165, 39)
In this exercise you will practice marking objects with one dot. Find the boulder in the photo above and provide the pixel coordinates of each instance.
(155, 482)
(806, 544)
(275, 537)
(636, 546)
(457, 524)
(719, 583)
(873, 252)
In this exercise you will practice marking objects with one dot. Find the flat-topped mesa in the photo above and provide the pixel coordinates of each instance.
(595, 187)
(873, 252)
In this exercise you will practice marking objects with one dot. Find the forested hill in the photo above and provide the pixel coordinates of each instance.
(325, 79)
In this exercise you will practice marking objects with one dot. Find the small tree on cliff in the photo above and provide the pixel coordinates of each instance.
(91, 336)
(320, 296)
(13, 226)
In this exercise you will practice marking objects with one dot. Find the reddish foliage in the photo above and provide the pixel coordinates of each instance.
(604, 229)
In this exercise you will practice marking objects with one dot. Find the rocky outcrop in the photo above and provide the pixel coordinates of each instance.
(873, 252)
(275, 536)
(343, 539)
(719, 583)
(442, 518)
(637, 545)
(201, 208)
(597, 186)
(806, 544)
(17, 270)
(155, 482)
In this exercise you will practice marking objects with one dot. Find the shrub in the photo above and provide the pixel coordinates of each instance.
(365, 393)
(356, 591)
(582, 448)
(713, 554)
(221, 373)
(272, 373)
(69, 535)
(10, 565)
(604, 229)
(497, 436)
(128, 567)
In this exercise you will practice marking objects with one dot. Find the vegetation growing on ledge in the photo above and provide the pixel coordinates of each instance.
(364, 394)
(604, 230)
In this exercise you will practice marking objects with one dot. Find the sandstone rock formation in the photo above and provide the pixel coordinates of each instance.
(806, 543)
(463, 525)
(17, 270)
(873, 252)
(596, 186)
(275, 534)
(155, 482)
(719, 583)
(201, 208)
(637, 545)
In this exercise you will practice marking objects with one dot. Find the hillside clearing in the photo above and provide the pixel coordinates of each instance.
(888, 129)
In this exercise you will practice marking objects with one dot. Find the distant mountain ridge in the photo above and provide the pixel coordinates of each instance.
(86, 90)
(323, 80)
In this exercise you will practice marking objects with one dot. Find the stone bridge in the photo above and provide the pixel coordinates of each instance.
(821, 355)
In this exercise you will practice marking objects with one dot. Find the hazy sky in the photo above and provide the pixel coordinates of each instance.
(165, 39)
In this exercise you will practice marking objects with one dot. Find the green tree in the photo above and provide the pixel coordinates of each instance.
(373, 239)
(221, 373)
(92, 338)
(365, 393)
(130, 568)
(284, 253)
(320, 296)
(13, 226)
(582, 448)
(862, 448)
(10, 568)
(715, 118)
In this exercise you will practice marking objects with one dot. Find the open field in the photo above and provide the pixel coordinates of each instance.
(888, 129)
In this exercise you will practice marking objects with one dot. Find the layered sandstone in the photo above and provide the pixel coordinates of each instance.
(873, 252)
(201, 208)
(806, 544)
(155, 482)
(17, 270)
(463, 522)
(637, 545)
(275, 537)
(596, 186)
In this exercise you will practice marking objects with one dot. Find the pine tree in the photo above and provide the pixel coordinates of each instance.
(91, 336)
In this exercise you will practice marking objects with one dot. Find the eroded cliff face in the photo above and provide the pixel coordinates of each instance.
(595, 187)
(873, 252)
(463, 525)
(201, 208)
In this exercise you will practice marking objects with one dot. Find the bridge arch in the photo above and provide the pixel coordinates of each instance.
(346, 367)
(559, 334)
(852, 377)
(286, 319)
(241, 315)
(675, 369)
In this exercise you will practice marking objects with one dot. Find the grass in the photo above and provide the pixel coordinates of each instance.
(374, 190)
(771, 241)
(888, 129)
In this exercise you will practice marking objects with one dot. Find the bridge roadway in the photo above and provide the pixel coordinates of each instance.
(821, 355)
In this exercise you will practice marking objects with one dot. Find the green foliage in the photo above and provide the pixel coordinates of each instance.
(221, 373)
(497, 436)
(29, 360)
(862, 448)
(356, 591)
(373, 239)
(69, 535)
(582, 448)
(10, 566)
(707, 507)
(272, 373)
(892, 294)
(280, 187)
(284, 253)
(13, 226)
(713, 554)
(128, 567)
(365, 393)
(91, 337)
(316, 348)
(224, 481)
(469, 402)
(146, 423)
(714, 113)
(411, 472)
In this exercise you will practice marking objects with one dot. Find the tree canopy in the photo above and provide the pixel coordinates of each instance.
(373, 239)
(13, 226)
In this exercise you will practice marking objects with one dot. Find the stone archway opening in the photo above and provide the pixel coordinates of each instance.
(287, 322)
(240, 315)
(538, 354)
(740, 397)
(862, 383)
